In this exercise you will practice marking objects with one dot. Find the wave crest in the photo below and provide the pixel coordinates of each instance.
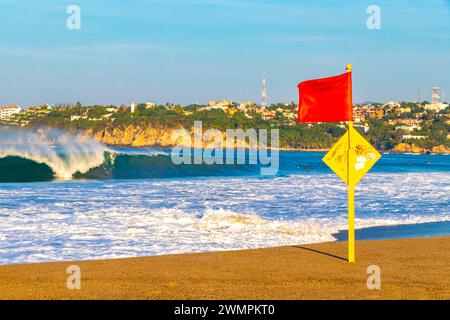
(64, 153)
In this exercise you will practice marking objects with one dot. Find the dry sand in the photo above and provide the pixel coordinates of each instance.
(410, 269)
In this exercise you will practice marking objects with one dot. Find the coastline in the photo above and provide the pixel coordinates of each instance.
(166, 148)
(278, 149)
(402, 148)
(169, 147)
(417, 268)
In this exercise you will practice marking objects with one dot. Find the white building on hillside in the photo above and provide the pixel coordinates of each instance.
(438, 107)
(412, 137)
(150, 105)
(8, 111)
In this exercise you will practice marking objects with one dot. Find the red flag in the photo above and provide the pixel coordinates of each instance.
(326, 99)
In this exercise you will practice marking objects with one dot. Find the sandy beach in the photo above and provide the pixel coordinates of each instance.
(410, 269)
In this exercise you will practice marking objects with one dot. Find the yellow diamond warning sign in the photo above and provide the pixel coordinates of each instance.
(362, 156)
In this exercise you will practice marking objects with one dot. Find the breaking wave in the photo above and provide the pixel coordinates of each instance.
(45, 154)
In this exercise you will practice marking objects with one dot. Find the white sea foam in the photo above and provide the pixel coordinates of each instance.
(110, 219)
(64, 153)
(148, 232)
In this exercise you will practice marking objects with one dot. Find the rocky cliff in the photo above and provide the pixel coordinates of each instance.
(165, 137)
(133, 136)
(162, 137)
(412, 148)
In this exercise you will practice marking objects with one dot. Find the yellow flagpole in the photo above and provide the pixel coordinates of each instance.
(351, 191)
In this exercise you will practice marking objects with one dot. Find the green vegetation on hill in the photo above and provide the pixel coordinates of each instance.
(382, 132)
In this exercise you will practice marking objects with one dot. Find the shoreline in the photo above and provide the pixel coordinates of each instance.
(416, 268)
(277, 149)
(417, 230)
(432, 229)
(440, 149)
(168, 148)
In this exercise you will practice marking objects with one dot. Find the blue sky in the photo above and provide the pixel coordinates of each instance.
(184, 51)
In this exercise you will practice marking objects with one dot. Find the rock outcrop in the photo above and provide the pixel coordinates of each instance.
(162, 137)
(165, 137)
(135, 136)
(412, 148)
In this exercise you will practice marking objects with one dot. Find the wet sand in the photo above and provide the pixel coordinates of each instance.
(410, 269)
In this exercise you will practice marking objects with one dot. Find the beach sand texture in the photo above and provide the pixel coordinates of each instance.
(410, 269)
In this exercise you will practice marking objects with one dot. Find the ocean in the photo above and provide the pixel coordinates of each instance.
(136, 202)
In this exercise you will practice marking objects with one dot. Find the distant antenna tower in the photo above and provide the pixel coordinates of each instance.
(435, 95)
(264, 93)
